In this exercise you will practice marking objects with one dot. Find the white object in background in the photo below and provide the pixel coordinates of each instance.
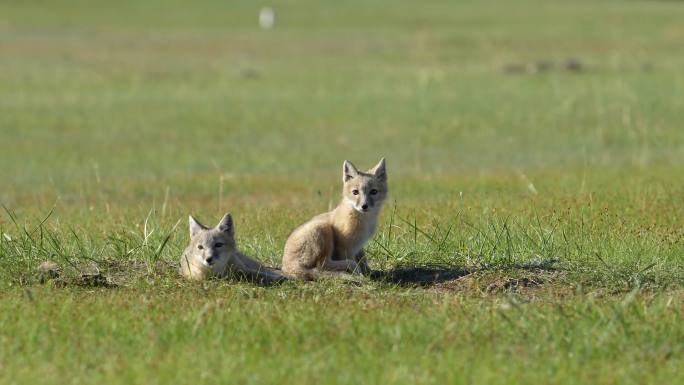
(266, 18)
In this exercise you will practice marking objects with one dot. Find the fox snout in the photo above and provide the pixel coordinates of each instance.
(366, 204)
(362, 205)
(209, 258)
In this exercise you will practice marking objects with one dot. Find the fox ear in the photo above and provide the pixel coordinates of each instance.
(348, 171)
(379, 170)
(195, 226)
(226, 224)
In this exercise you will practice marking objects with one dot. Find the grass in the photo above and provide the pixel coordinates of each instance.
(333, 333)
(554, 199)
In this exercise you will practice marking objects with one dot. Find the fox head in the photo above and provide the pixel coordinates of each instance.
(365, 191)
(211, 248)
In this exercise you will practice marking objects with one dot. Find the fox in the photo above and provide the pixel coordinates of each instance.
(212, 252)
(331, 244)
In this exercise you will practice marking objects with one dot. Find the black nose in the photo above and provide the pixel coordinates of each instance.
(365, 207)
(210, 260)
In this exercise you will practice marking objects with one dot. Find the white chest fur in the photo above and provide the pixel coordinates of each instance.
(352, 233)
(366, 234)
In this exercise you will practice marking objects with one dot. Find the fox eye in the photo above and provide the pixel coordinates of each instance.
(218, 245)
(374, 191)
(355, 192)
(200, 247)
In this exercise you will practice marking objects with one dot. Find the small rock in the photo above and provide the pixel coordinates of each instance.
(513, 69)
(543, 66)
(48, 270)
(249, 73)
(572, 64)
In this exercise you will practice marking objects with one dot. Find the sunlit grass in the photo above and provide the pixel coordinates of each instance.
(553, 197)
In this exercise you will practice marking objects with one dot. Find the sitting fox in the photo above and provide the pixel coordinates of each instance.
(332, 243)
(213, 253)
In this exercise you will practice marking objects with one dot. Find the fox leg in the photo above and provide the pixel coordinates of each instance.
(329, 268)
(307, 248)
(348, 265)
(362, 262)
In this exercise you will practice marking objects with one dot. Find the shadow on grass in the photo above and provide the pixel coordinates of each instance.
(420, 276)
(433, 274)
(112, 274)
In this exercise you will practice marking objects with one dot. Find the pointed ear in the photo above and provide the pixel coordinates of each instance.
(195, 226)
(226, 224)
(349, 171)
(379, 170)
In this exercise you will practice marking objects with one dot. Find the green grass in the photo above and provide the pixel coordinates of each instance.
(118, 119)
(337, 334)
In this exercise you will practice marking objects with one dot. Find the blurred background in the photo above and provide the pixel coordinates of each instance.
(535, 150)
(106, 104)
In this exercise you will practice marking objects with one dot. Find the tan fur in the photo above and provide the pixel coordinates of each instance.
(217, 246)
(332, 243)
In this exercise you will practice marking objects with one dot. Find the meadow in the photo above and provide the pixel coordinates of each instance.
(535, 156)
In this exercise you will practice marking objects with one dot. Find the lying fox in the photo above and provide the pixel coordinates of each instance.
(213, 253)
(331, 244)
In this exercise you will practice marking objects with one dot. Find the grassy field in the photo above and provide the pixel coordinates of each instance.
(535, 154)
